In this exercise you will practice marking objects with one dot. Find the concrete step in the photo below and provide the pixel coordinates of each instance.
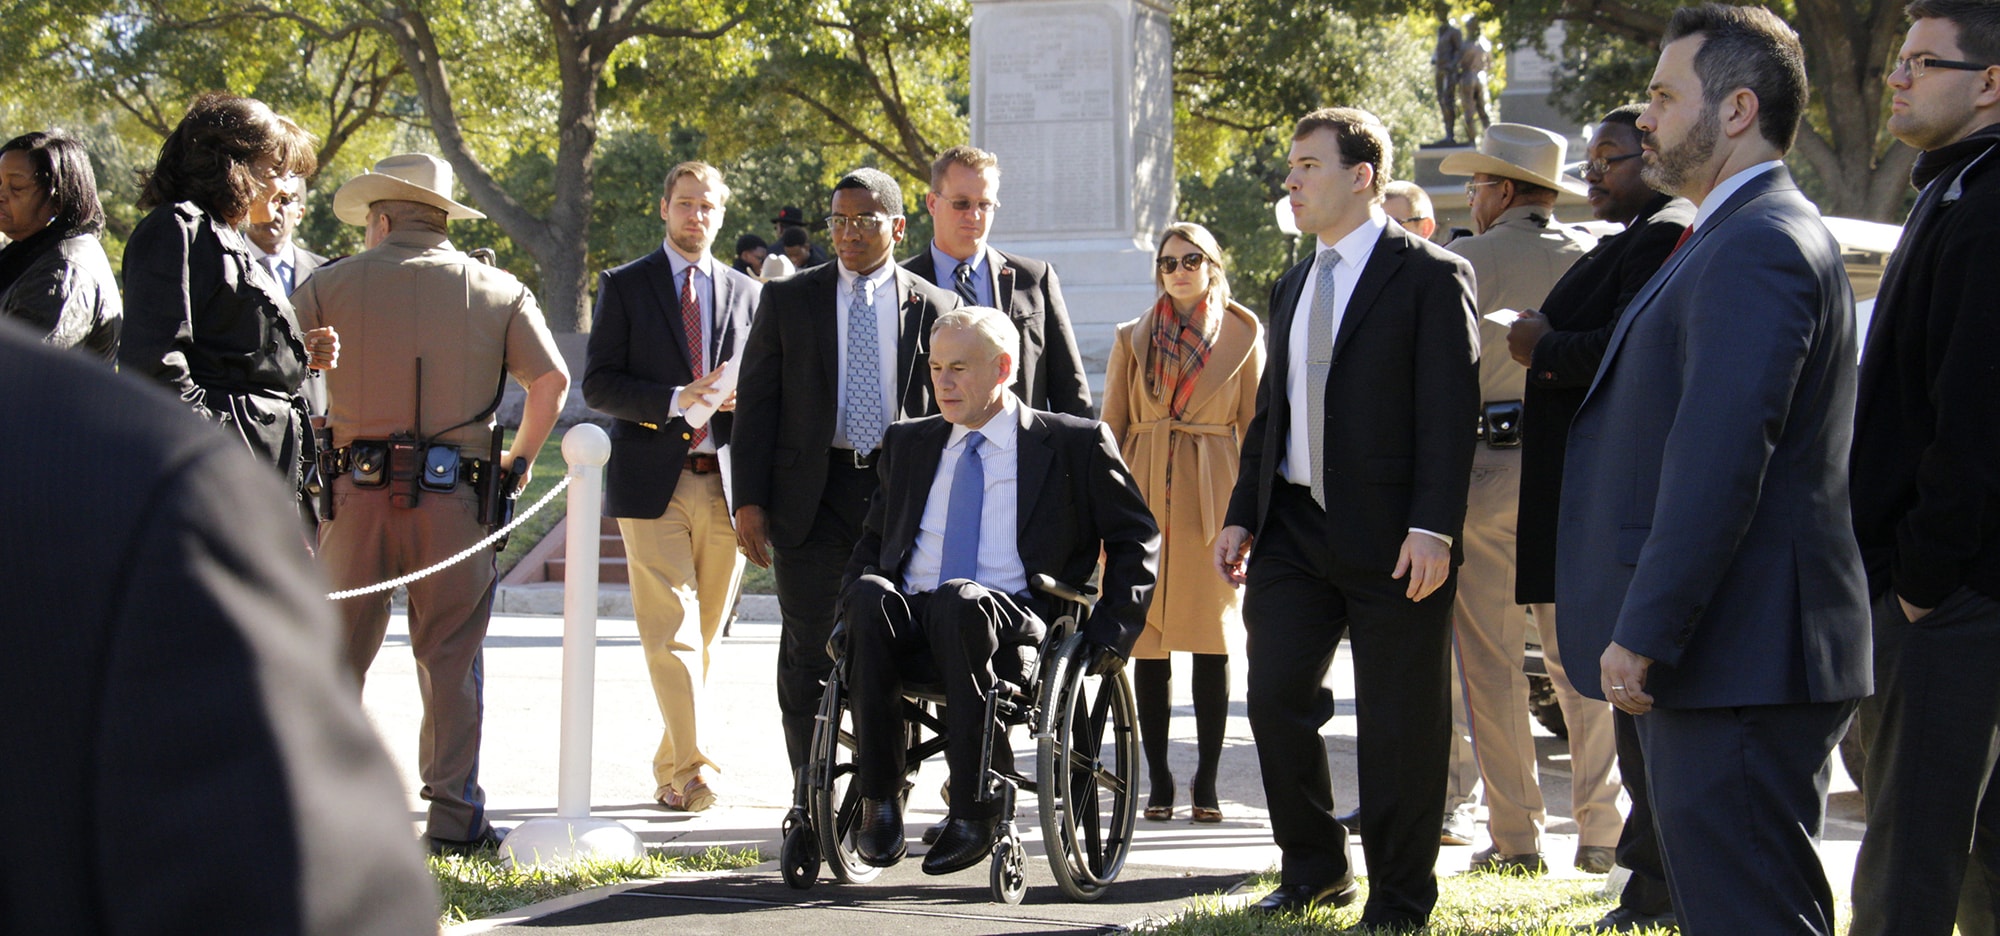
(611, 546)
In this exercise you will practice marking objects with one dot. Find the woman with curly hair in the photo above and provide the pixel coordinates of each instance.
(54, 276)
(201, 316)
(1182, 387)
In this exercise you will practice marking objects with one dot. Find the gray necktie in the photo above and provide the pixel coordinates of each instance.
(864, 367)
(1319, 358)
(277, 273)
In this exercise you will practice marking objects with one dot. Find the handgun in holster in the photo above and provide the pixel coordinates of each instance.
(326, 466)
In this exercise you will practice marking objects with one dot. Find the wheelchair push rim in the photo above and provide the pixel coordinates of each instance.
(1086, 764)
(835, 800)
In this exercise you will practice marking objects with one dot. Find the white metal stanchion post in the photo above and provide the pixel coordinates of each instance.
(572, 833)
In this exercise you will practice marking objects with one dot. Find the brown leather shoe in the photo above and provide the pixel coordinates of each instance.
(694, 797)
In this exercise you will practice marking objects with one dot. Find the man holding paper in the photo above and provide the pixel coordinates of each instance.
(663, 348)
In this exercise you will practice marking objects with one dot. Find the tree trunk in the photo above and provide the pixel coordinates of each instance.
(1864, 169)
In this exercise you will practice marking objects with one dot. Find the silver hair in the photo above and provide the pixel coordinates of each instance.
(990, 324)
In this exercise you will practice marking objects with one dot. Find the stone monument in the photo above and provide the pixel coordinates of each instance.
(1076, 99)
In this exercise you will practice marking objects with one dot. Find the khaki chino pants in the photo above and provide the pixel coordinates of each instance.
(683, 566)
(1489, 636)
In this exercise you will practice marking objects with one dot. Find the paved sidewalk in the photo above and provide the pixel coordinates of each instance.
(740, 731)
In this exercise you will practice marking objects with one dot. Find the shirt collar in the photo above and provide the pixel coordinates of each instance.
(1001, 431)
(257, 253)
(1359, 241)
(874, 280)
(947, 265)
(679, 264)
(1728, 187)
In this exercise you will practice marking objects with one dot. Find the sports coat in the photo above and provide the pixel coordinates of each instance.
(790, 388)
(636, 357)
(1704, 504)
(1402, 403)
(1050, 374)
(1075, 497)
(1582, 309)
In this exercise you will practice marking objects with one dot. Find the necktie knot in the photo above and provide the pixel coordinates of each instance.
(1328, 259)
(961, 280)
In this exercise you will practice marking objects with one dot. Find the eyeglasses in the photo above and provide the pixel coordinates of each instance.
(1192, 261)
(1603, 166)
(1406, 222)
(1917, 65)
(967, 204)
(865, 224)
(1472, 188)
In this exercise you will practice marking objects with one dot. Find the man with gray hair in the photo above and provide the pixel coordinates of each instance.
(936, 579)
(429, 335)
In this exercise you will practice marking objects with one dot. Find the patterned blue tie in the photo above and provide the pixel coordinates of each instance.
(961, 520)
(864, 386)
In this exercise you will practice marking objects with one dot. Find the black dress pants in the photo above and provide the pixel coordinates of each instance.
(948, 636)
(1639, 845)
(1298, 603)
(808, 582)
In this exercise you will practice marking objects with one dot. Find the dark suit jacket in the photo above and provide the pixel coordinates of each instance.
(1582, 309)
(1075, 497)
(1050, 376)
(1402, 403)
(790, 389)
(637, 356)
(1704, 506)
(172, 670)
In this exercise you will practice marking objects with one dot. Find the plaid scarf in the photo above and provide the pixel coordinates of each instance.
(1178, 352)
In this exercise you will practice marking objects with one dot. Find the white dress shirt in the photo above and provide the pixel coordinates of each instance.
(704, 294)
(1000, 566)
(881, 291)
(983, 289)
(1727, 187)
(1354, 249)
(284, 262)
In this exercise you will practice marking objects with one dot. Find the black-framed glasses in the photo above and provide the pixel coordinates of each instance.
(1603, 166)
(1192, 261)
(1917, 65)
(967, 204)
(866, 224)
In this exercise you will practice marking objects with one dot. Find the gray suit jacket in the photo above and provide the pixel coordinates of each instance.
(1704, 506)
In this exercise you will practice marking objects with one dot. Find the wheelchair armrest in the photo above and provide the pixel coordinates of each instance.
(1062, 592)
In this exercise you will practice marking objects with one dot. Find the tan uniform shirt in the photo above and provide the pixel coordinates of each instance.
(1517, 261)
(412, 297)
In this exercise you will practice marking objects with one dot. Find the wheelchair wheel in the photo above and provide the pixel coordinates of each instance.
(1086, 763)
(836, 803)
(799, 857)
(1008, 875)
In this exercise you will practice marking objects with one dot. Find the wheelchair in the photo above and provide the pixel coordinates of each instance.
(1086, 766)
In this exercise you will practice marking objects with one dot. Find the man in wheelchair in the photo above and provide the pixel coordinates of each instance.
(970, 505)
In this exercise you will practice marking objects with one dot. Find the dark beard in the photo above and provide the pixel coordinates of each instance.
(1670, 169)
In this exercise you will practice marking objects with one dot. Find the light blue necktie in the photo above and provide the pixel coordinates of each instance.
(961, 520)
(864, 385)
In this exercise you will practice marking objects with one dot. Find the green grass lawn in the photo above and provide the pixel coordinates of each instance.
(1468, 905)
(478, 885)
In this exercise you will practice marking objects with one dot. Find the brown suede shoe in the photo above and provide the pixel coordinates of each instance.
(694, 797)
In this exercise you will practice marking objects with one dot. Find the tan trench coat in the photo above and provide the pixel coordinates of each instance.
(1191, 603)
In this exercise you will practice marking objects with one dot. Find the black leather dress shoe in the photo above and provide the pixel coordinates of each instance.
(1297, 898)
(961, 844)
(931, 834)
(879, 839)
(1623, 919)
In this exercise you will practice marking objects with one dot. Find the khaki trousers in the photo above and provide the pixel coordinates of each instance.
(370, 540)
(683, 565)
(1489, 636)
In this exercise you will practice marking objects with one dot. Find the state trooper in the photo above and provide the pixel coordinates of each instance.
(414, 464)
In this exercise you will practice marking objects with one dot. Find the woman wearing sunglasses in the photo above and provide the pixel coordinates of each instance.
(1182, 386)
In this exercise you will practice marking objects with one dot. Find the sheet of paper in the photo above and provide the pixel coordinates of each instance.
(1502, 317)
(725, 384)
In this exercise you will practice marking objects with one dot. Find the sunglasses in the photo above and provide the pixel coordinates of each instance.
(1192, 261)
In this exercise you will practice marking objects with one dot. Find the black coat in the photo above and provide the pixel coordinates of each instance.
(200, 320)
(1402, 399)
(637, 356)
(787, 396)
(1582, 309)
(1075, 496)
(1926, 459)
(172, 673)
(1050, 376)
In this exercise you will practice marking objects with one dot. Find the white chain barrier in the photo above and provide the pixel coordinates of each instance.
(463, 555)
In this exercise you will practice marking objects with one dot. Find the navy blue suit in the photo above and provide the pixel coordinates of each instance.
(1705, 525)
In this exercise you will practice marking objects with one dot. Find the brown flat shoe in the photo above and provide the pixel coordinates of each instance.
(1207, 814)
(694, 797)
(1159, 813)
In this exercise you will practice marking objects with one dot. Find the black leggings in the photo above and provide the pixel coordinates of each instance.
(1153, 686)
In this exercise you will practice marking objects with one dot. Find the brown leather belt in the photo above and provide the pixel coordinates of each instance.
(700, 463)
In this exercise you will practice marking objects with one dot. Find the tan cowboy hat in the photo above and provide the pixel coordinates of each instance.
(416, 177)
(1515, 151)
